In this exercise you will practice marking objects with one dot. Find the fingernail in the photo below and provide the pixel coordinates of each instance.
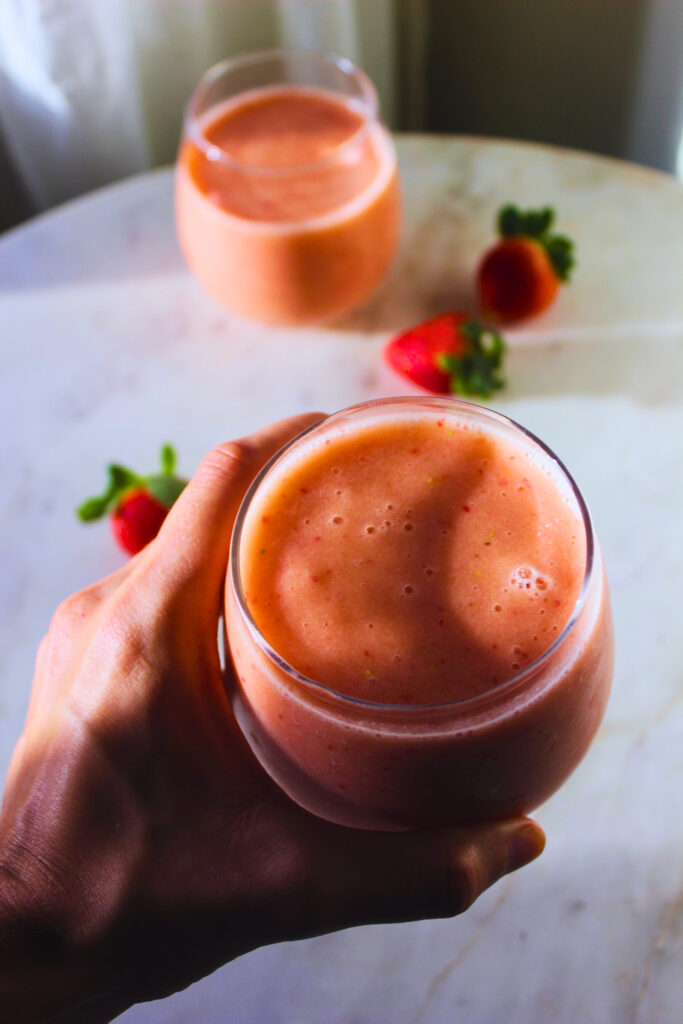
(525, 845)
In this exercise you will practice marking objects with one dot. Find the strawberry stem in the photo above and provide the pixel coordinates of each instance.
(164, 486)
(475, 371)
(166, 489)
(121, 479)
(168, 460)
(536, 224)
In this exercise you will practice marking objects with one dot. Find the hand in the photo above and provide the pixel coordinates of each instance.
(141, 845)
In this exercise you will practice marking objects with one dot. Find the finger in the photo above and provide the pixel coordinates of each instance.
(61, 646)
(14, 766)
(191, 550)
(108, 584)
(407, 876)
(38, 681)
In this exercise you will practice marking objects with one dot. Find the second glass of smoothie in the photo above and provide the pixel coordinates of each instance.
(287, 199)
(418, 617)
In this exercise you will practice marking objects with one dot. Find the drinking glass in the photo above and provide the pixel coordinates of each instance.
(292, 217)
(395, 766)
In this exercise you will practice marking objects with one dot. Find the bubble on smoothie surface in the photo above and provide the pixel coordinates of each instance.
(530, 580)
(438, 587)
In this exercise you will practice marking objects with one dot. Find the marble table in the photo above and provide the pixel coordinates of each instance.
(108, 347)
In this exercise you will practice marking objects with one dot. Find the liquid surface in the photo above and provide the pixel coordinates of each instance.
(276, 138)
(413, 561)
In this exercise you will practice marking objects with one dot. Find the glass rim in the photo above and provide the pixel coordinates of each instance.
(193, 130)
(405, 711)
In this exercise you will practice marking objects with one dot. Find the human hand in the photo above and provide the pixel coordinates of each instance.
(141, 845)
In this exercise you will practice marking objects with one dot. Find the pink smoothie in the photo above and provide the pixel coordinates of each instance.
(423, 559)
(287, 203)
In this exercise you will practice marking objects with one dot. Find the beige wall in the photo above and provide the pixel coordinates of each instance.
(558, 71)
(92, 92)
(601, 75)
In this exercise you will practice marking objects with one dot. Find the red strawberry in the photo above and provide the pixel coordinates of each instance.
(137, 506)
(449, 353)
(136, 520)
(521, 274)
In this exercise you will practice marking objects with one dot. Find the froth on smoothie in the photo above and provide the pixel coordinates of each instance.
(273, 153)
(413, 560)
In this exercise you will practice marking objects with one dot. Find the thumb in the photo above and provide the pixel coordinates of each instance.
(190, 553)
(385, 877)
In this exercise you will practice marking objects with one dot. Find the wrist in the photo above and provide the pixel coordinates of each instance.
(44, 976)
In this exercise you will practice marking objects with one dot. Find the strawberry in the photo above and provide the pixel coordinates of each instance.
(137, 506)
(136, 519)
(449, 353)
(521, 274)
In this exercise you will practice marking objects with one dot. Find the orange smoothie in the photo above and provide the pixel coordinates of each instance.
(415, 574)
(287, 203)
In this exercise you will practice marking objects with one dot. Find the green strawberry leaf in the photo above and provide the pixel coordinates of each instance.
(164, 486)
(560, 251)
(475, 371)
(91, 509)
(536, 224)
(516, 223)
(510, 221)
(166, 489)
(121, 479)
(168, 460)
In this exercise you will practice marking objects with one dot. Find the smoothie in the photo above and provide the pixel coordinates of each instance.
(287, 203)
(414, 572)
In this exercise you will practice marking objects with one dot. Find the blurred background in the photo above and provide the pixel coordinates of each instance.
(93, 90)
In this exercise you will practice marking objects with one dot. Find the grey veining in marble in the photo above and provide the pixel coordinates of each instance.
(108, 347)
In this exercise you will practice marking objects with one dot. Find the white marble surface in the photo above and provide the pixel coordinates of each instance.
(108, 347)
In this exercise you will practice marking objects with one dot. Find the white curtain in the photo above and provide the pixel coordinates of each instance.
(93, 90)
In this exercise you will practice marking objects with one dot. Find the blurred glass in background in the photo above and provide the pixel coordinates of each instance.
(93, 90)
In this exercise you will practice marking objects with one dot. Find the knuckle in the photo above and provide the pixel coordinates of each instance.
(126, 626)
(288, 874)
(231, 457)
(298, 890)
(465, 882)
(43, 654)
(147, 612)
(43, 648)
(71, 614)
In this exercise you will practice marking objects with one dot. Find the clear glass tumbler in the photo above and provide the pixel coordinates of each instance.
(396, 766)
(287, 196)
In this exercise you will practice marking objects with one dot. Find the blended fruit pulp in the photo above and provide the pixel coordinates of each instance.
(416, 564)
(289, 209)
(276, 130)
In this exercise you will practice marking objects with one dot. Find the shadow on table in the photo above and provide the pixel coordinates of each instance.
(562, 928)
(413, 293)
